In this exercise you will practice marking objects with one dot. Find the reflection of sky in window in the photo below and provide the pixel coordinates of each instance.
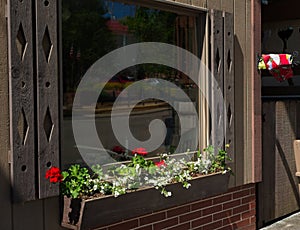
(118, 10)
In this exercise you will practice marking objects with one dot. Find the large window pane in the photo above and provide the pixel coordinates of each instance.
(91, 29)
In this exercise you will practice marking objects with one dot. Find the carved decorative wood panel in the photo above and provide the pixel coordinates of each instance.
(222, 59)
(229, 81)
(34, 107)
(21, 94)
(47, 93)
(217, 70)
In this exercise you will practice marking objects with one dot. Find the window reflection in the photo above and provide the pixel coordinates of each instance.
(92, 29)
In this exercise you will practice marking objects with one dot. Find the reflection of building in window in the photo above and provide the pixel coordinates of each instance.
(124, 25)
(120, 32)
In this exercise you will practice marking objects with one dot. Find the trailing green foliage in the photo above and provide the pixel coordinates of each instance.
(140, 172)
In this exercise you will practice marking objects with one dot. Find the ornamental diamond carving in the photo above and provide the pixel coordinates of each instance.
(47, 44)
(21, 42)
(23, 126)
(48, 125)
(229, 115)
(218, 60)
(229, 61)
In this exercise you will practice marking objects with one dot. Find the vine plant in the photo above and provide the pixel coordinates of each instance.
(80, 182)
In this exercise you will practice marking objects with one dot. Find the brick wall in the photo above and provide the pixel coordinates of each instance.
(235, 209)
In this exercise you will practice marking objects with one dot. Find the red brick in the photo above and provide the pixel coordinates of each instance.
(253, 191)
(253, 205)
(250, 227)
(222, 199)
(247, 186)
(242, 193)
(231, 220)
(166, 223)
(201, 221)
(213, 225)
(242, 223)
(248, 214)
(125, 225)
(211, 210)
(152, 218)
(190, 216)
(231, 204)
(222, 215)
(183, 226)
(148, 227)
(234, 189)
(248, 199)
(253, 220)
(202, 204)
(238, 188)
(178, 211)
(241, 209)
(229, 227)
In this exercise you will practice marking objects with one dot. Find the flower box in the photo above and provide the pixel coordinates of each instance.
(97, 212)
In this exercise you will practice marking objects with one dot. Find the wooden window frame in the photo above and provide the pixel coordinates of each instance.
(35, 73)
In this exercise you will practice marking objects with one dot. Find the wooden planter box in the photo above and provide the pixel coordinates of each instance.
(98, 212)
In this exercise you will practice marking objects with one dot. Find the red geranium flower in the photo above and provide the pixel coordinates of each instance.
(54, 175)
(139, 151)
(160, 163)
(118, 149)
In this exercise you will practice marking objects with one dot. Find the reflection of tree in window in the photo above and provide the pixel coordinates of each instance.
(150, 25)
(85, 38)
(93, 28)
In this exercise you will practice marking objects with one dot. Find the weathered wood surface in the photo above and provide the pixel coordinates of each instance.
(266, 198)
(5, 191)
(47, 94)
(286, 189)
(22, 93)
(229, 115)
(240, 32)
(33, 74)
(278, 192)
(217, 79)
(256, 92)
(247, 128)
(104, 211)
(222, 68)
(240, 44)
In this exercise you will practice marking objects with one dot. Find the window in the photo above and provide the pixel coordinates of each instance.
(92, 29)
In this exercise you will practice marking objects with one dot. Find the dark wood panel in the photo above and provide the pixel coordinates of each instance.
(100, 212)
(266, 189)
(5, 189)
(281, 91)
(298, 120)
(28, 215)
(256, 91)
(52, 214)
(229, 83)
(279, 11)
(286, 189)
(47, 93)
(278, 194)
(217, 70)
(239, 88)
(21, 100)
